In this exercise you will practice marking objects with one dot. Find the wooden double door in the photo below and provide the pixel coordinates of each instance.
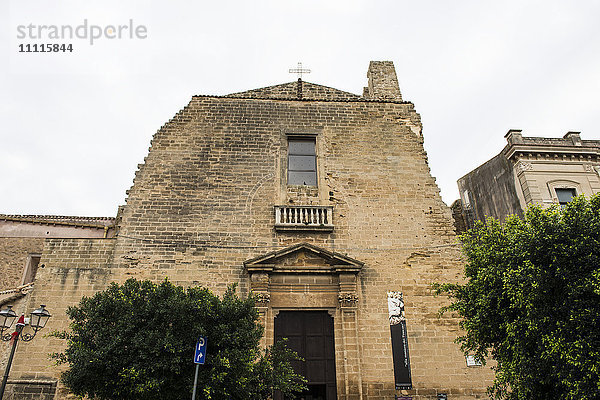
(310, 334)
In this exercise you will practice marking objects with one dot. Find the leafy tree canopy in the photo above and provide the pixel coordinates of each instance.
(136, 341)
(531, 301)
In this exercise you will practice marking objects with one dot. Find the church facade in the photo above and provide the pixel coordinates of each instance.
(318, 201)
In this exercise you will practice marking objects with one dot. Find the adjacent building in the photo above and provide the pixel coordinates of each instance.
(529, 170)
(22, 240)
(21, 244)
(318, 201)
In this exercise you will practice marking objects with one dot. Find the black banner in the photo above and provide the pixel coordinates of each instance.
(400, 356)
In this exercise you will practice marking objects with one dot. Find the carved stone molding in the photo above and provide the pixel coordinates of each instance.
(523, 166)
(348, 299)
(591, 168)
(262, 298)
(304, 276)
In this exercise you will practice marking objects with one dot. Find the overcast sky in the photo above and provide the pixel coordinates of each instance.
(74, 125)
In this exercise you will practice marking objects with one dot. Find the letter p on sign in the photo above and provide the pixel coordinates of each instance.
(200, 353)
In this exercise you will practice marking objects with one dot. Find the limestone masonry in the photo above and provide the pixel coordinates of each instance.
(317, 200)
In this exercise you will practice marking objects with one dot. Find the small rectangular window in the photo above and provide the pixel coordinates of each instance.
(302, 162)
(565, 195)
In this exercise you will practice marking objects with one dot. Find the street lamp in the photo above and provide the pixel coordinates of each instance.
(7, 317)
(36, 321)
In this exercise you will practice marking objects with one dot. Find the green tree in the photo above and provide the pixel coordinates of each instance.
(531, 301)
(136, 341)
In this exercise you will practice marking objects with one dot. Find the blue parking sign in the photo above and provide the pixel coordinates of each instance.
(200, 353)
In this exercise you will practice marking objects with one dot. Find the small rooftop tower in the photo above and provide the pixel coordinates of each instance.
(383, 83)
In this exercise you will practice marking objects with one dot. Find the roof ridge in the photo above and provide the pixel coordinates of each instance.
(296, 90)
(332, 88)
(291, 83)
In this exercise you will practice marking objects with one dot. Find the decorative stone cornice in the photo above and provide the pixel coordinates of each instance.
(334, 262)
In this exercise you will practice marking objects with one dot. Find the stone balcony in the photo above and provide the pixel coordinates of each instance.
(304, 218)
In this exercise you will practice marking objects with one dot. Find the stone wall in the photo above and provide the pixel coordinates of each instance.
(73, 268)
(30, 389)
(20, 237)
(13, 257)
(202, 204)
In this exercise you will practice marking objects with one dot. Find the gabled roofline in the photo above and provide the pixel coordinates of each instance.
(236, 94)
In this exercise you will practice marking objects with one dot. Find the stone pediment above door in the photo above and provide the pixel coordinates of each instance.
(303, 258)
(304, 275)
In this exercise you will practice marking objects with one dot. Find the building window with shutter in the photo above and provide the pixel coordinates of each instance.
(302, 162)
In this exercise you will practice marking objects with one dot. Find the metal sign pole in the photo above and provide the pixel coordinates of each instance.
(195, 382)
(199, 357)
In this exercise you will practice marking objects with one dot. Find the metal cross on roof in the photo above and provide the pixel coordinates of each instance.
(299, 70)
